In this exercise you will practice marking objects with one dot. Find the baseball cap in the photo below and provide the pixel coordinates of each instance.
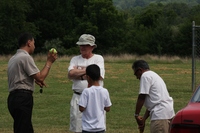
(87, 39)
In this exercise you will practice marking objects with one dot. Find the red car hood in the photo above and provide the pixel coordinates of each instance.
(188, 115)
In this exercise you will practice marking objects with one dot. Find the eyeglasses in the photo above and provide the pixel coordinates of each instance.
(136, 71)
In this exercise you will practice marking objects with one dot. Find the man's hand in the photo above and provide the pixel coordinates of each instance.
(41, 84)
(51, 57)
(78, 72)
(141, 123)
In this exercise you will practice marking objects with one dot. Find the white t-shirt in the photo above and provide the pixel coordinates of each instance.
(94, 99)
(157, 101)
(79, 85)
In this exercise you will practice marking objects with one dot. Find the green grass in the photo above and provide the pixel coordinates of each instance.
(51, 108)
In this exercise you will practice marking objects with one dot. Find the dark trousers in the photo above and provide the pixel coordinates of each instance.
(93, 132)
(20, 106)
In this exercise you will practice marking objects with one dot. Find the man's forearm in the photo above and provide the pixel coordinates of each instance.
(139, 104)
(76, 73)
(146, 115)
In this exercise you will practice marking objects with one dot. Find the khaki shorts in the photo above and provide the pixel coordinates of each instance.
(160, 126)
(75, 114)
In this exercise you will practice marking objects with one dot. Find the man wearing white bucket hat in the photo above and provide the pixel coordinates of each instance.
(76, 72)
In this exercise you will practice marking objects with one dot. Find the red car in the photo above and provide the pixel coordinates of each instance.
(187, 120)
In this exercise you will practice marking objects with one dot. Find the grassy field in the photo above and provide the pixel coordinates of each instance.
(51, 108)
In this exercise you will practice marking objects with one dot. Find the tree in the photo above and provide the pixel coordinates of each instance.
(150, 16)
(54, 19)
(12, 23)
(101, 19)
(139, 3)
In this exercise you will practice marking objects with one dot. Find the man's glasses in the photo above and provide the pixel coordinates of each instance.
(136, 71)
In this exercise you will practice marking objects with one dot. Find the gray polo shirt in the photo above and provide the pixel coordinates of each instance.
(21, 67)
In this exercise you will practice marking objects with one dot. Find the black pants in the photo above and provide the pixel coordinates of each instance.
(93, 132)
(20, 106)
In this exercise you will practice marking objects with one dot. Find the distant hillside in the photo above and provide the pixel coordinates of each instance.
(127, 4)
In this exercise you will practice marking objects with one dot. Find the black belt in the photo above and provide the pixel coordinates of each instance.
(21, 91)
(95, 132)
(78, 93)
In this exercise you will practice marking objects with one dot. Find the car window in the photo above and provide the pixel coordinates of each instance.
(196, 96)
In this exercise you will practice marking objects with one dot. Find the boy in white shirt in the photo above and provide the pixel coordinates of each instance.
(94, 100)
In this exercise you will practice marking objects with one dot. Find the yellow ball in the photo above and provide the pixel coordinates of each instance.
(53, 50)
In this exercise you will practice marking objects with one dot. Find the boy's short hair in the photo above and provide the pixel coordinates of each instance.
(93, 71)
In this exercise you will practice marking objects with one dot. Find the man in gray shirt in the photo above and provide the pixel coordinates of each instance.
(22, 73)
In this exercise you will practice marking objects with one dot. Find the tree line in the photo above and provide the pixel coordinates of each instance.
(159, 29)
(127, 4)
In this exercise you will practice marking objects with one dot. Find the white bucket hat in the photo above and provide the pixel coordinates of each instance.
(86, 39)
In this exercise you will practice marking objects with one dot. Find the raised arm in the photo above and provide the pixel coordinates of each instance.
(40, 76)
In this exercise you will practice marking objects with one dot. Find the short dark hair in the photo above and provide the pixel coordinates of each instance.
(93, 71)
(23, 39)
(140, 64)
